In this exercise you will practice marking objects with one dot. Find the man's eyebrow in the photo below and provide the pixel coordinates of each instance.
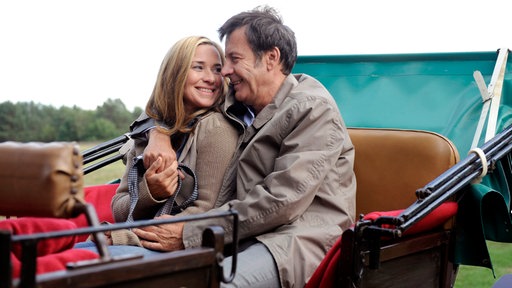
(231, 54)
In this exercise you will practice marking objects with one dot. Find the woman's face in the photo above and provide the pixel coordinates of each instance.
(204, 80)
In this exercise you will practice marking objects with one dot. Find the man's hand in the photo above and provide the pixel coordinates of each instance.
(159, 145)
(108, 238)
(165, 237)
(162, 182)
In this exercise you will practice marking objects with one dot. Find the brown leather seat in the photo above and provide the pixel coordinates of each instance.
(390, 164)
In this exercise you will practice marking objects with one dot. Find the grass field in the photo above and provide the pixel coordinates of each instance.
(468, 276)
(501, 257)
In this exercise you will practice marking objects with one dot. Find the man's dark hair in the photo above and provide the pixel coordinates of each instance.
(264, 30)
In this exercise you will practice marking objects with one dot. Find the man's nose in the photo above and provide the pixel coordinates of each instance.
(226, 70)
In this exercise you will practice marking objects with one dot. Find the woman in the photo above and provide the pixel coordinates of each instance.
(187, 93)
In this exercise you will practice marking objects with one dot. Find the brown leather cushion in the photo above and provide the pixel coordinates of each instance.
(40, 179)
(391, 164)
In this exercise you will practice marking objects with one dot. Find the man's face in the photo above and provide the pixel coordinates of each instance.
(246, 73)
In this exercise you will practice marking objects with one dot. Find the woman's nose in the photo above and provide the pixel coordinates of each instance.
(209, 76)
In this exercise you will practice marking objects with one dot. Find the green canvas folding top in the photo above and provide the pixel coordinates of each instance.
(443, 93)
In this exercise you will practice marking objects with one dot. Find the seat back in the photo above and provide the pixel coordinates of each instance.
(390, 164)
(40, 179)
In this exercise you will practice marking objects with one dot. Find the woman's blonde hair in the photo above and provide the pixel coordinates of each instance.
(166, 103)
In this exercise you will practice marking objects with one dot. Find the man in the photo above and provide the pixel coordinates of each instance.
(292, 179)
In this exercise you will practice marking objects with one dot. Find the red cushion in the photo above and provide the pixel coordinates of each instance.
(100, 196)
(30, 225)
(54, 262)
(435, 218)
(15, 266)
(53, 254)
(325, 274)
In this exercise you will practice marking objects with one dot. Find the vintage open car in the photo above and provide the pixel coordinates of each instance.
(433, 140)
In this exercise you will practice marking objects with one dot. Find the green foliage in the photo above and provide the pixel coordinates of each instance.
(101, 128)
(29, 121)
(115, 111)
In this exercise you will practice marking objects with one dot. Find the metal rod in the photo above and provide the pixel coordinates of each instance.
(121, 139)
(96, 166)
(124, 225)
(107, 151)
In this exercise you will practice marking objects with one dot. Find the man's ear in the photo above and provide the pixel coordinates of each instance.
(273, 58)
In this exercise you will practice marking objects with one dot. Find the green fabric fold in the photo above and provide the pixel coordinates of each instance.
(484, 214)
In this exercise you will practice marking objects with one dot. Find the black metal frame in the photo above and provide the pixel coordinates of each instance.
(106, 149)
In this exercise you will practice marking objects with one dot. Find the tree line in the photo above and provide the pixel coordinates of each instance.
(29, 121)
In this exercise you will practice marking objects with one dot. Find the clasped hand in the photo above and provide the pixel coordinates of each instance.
(162, 167)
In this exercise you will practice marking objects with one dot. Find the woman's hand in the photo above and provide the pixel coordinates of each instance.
(162, 182)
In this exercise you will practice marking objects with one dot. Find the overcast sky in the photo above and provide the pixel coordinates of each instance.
(67, 52)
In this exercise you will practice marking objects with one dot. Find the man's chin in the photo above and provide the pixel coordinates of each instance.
(239, 97)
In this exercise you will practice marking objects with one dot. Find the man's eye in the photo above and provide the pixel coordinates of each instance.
(234, 59)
